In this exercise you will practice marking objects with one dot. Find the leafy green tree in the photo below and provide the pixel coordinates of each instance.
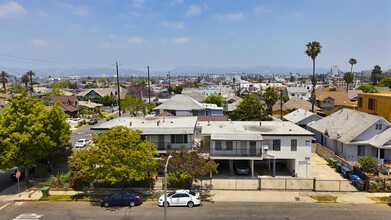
(25, 80)
(376, 74)
(101, 80)
(365, 88)
(16, 89)
(285, 98)
(367, 164)
(178, 89)
(352, 62)
(270, 96)
(117, 156)
(348, 77)
(215, 99)
(30, 74)
(4, 78)
(30, 134)
(385, 82)
(189, 166)
(133, 104)
(250, 109)
(313, 49)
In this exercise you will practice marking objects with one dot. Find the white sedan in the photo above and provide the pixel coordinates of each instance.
(181, 197)
(82, 143)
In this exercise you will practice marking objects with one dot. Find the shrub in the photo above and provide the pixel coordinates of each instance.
(179, 180)
(367, 164)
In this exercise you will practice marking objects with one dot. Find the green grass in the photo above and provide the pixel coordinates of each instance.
(384, 199)
(325, 198)
(72, 197)
(56, 197)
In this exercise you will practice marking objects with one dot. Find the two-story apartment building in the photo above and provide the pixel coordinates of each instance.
(376, 104)
(332, 101)
(167, 133)
(351, 134)
(254, 141)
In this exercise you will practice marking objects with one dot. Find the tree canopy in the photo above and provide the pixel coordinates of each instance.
(365, 88)
(313, 49)
(348, 77)
(250, 109)
(215, 99)
(376, 74)
(385, 82)
(270, 96)
(352, 62)
(30, 134)
(4, 78)
(117, 156)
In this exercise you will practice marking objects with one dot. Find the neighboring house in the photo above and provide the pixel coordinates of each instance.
(182, 105)
(302, 117)
(351, 134)
(4, 98)
(90, 105)
(297, 92)
(332, 101)
(197, 96)
(93, 93)
(168, 133)
(232, 103)
(353, 94)
(291, 105)
(257, 143)
(68, 104)
(376, 104)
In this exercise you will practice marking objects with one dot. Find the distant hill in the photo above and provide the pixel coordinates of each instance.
(108, 72)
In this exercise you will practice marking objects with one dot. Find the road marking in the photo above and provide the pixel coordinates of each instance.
(2, 207)
(28, 216)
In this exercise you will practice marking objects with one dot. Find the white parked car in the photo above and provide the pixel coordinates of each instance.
(82, 143)
(182, 197)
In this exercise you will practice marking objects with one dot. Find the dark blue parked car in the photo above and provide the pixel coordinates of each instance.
(121, 199)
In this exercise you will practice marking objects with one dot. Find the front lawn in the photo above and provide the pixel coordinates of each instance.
(325, 198)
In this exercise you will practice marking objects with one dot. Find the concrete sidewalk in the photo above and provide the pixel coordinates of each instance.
(11, 194)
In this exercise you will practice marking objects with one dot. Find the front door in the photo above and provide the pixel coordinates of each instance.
(243, 148)
(381, 154)
(253, 150)
(160, 142)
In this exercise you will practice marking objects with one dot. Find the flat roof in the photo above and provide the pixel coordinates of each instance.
(153, 125)
(252, 128)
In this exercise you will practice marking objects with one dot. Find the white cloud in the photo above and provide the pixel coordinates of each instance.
(230, 16)
(174, 25)
(81, 10)
(261, 9)
(11, 9)
(42, 13)
(137, 3)
(136, 40)
(38, 42)
(179, 40)
(106, 45)
(193, 10)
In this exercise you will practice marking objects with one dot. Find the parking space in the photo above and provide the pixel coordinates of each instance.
(321, 170)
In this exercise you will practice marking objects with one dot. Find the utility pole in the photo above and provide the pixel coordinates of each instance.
(118, 95)
(169, 84)
(281, 103)
(149, 88)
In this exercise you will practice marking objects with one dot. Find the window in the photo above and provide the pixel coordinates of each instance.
(359, 102)
(293, 145)
(360, 150)
(371, 104)
(379, 126)
(218, 145)
(179, 139)
(276, 145)
(229, 145)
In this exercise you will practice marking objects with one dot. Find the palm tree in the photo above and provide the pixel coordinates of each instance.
(4, 78)
(352, 61)
(25, 79)
(313, 49)
(270, 96)
(348, 77)
(31, 74)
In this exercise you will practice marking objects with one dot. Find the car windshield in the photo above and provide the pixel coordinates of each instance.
(192, 193)
(171, 193)
(80, 141)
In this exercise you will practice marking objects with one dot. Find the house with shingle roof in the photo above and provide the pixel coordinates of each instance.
(351, 134)
(332, 101)
(302, 117)
(291, 105)
(68, 104)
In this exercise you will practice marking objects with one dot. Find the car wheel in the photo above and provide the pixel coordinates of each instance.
(166, 204)
(190, 204)
(131, 204)
(106, 204)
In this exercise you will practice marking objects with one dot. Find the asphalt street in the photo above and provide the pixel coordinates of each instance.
(222, 210)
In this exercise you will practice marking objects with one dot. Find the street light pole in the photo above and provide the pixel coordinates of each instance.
(165, 188)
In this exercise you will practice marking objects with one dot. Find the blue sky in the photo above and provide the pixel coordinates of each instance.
(169, 33)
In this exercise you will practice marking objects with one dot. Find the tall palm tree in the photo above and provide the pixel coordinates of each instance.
(313, 49)
(25, 79)
(352, 61)
(348, 77)
(4, 78)
(31, 74)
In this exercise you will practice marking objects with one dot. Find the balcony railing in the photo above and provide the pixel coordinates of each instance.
(238, 152)
(163, 146)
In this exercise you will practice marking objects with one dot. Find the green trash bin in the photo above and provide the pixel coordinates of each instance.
(45, 191)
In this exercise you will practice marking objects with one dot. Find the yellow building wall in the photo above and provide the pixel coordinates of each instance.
(383, 104)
